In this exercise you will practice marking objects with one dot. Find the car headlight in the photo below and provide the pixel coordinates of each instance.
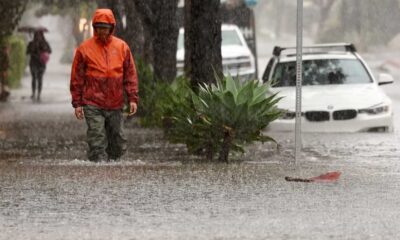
(375, 110)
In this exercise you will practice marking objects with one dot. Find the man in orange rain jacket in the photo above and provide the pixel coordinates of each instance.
(102, 70)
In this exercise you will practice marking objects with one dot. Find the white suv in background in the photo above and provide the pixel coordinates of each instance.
(237, 58)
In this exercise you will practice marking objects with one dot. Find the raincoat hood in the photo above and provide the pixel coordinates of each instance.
(104, 16)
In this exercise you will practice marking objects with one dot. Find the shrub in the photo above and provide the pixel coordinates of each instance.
(17, 61)
(146, 85)
(155, 96)
(220, 117)
(150, 93)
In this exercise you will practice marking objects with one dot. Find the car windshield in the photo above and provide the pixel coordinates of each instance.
(229, 37)
(321, 72)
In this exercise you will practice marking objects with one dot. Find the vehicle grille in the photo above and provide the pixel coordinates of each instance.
(317, 116)
(236, 65)
(344, 114)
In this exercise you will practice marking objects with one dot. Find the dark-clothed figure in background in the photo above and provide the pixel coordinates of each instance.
(39, 50)
(102, 72)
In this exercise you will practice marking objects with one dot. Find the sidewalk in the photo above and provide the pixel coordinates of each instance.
(55, 97)
(55, 86)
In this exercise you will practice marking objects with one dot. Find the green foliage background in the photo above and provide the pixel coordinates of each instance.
(17, 60)
(150, 95)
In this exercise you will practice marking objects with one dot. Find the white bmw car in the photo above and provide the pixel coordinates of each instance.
(339, 92)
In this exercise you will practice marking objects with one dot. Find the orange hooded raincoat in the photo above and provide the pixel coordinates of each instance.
(101, 72)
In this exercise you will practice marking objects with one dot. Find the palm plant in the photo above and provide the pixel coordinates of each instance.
(222, 117)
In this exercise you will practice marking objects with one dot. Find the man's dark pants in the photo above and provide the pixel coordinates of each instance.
(105, 135)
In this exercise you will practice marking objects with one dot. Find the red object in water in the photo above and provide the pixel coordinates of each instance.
(327, 177)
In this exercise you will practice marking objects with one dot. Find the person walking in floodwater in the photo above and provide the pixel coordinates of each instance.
(102, 71)
(39, 50)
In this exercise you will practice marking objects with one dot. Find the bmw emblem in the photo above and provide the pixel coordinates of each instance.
(330, 107)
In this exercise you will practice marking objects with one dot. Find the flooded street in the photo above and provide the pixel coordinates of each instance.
(245, 201)
(48, 191)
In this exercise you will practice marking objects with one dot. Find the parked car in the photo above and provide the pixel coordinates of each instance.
(339, 91)
(237, 58)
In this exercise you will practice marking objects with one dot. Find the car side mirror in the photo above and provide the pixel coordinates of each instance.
(385, 78)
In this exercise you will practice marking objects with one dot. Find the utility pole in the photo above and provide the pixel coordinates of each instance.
(299, 80)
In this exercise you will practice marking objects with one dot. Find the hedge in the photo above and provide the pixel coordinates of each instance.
(17, 61)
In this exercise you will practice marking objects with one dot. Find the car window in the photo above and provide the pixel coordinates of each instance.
(229, 37)
(322, 72)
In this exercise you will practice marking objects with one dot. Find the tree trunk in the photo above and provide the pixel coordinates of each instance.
(159, 18)
(226, 146)
(134, 33)
(147, 17)
(202, 41)
(165, 40)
